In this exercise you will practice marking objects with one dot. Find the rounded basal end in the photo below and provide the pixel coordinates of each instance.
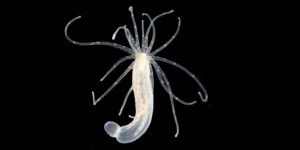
(112, 128)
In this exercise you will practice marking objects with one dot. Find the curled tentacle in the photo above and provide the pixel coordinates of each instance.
(115, 45)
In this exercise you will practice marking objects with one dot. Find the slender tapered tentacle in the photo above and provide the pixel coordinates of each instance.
(153, 28)
(112, 86)
(169, 41)
(163, 84)
(143, 38)
(115, 45)
(125, 100)
(128, 35)
(147, 32)
(116, 65)
(131, 40)
(160, 72)
(117, 31)
(203, 98)
(152, 77)
(137, 43)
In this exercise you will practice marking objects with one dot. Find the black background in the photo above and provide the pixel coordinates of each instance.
(53, 79)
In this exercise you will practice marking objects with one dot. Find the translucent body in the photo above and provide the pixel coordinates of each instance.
(142, 78)
(143, 94)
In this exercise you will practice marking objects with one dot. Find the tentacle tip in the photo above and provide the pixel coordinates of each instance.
(206, 98)
(194, 102)
(130, 8)
(201, 97)
(176, 135)
(171, 11)
(78, 17)
(93, 96)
